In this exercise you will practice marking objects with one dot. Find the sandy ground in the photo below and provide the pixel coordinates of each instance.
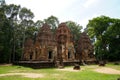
(29, 75)
(107, 70)
(98, 69)
(69, 69)
(5, 64)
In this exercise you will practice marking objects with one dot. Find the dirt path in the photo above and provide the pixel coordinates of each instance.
(107, 70)
(5, 64)
(29, 75)
(69, 69)
(98, 69)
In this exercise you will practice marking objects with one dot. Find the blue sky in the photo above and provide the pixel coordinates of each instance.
(79, 11)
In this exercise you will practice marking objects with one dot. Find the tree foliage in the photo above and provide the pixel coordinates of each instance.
(53, 22)
(106, 32)
(5, 37)
(39, 24)
(75, 30)
(14, 23)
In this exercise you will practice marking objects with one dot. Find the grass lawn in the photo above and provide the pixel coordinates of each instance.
(86, 73)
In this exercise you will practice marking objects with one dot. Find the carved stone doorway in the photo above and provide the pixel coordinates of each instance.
(50, 54)
(31, 56)
(69, 55)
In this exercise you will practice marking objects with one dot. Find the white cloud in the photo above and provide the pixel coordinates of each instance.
(85, 21)
(44, 8)
(79, 11)
(89, 3)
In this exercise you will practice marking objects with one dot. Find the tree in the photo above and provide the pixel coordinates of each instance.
(75, 30)
(26, 14)
(5, 36)
(30, 29)
(2, 3)
(26, 17)
(102, 30)
(12, 30)
(113, 36)
(97, 29)
(39, 24)
(11, 12)
(53, 22)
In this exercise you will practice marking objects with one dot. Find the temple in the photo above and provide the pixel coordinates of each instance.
(57, 48)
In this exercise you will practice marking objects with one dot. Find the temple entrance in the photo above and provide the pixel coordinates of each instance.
(36, 52)
(31, 55)
(50, 55)
(69, 55)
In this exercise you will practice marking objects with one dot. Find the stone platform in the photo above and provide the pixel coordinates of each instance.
(43, 64)
(46, 64)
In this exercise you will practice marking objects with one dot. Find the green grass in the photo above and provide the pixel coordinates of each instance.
(114, 67)
(52, 74)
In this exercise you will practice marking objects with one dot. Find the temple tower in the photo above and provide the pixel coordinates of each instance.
(65, 47)
(45, 44)
(85, 48)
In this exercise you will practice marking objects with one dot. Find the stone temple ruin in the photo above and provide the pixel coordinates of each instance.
(57, 48)
(43, 48)
(85, 49)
